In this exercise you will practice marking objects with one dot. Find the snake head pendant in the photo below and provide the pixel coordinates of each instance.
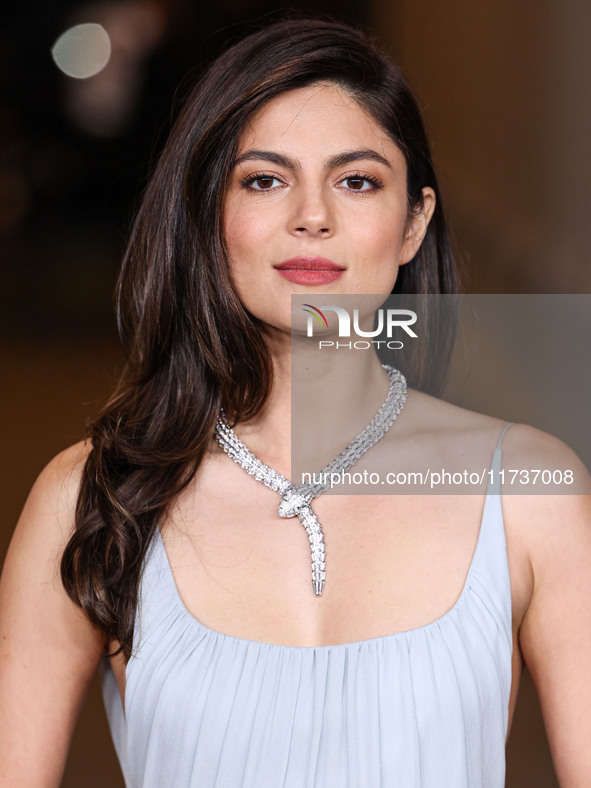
(292, 503)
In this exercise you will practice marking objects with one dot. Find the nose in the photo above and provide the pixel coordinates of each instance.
(312, 212)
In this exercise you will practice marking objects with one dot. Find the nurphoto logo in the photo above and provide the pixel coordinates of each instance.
(388, 320)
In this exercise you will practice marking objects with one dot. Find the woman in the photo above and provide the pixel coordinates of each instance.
(299, 165)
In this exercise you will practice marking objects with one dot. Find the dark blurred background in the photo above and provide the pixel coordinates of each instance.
(504, 88)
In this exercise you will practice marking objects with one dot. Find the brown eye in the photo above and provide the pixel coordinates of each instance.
(356, 183)
(261, 182)
(361, 183)
(265, 182)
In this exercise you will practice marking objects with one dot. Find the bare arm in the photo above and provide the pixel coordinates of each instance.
(555, 634)
(49, 651)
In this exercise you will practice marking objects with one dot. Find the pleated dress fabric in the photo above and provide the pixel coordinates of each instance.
(424, 708)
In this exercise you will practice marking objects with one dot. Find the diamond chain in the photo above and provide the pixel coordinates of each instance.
(296, 499)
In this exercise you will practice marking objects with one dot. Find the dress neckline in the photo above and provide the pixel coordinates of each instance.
(489, 501)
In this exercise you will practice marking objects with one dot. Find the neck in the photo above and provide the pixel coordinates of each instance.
(323, 398)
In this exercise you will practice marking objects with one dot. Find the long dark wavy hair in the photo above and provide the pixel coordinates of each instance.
(190, 345)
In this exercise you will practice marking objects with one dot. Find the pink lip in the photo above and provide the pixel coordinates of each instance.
(310, 270)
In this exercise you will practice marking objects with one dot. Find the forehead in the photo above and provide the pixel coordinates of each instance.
(322, 115)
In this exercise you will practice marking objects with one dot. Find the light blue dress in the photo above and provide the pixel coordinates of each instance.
(424, 708)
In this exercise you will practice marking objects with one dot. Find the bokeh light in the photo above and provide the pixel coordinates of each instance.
(82, 51)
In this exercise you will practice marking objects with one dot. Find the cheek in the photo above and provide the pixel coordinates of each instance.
(378, 243)
(243, 242)
(246, 233)
(235, 233)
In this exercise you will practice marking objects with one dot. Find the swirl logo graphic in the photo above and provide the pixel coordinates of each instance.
(312, 310)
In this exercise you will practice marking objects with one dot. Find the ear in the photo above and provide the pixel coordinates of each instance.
(416, 229)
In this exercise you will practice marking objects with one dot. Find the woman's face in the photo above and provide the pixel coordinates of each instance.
(317, 204)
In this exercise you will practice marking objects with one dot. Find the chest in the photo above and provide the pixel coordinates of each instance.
(388, 570)
(393, 563)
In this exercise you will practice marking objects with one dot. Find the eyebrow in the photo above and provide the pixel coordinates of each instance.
(338, 160)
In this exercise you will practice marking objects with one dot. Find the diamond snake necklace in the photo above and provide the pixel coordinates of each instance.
(296, 499)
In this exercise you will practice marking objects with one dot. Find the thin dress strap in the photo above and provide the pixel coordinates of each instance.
(494, 486)
(502, 435)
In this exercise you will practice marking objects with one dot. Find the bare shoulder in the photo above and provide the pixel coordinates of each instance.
(49, 650)
(535, 464)
(31, 580)
(61, 476)
(554, 530)
(442, 423)
(525, 443)
(436, 413)
(552, 512)
(51, 504)
(48, 519)
(543, 476)
(523, 446)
